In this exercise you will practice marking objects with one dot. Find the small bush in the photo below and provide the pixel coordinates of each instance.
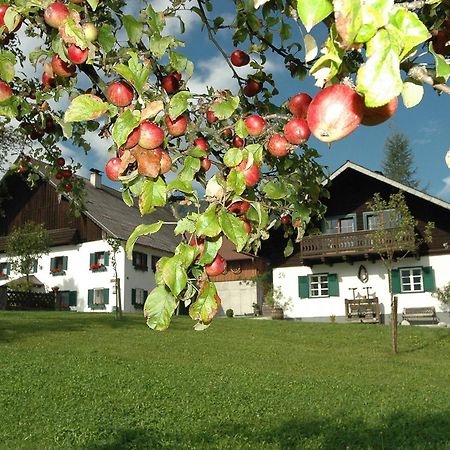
(229, 313)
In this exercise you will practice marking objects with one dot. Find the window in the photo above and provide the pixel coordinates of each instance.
(98, 298)
(58, 265)
(99, 261)
(318, 285)
(140, 261)
(68, 298)
(342, 224)
(138, 297)
(413, 279)
(155, 260)
(385, 219)
(5, 268)
(34, 266)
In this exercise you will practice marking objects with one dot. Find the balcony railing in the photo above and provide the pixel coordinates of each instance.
(345, 244)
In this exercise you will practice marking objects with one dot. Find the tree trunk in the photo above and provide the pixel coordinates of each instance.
(393, 321)
(118, 299)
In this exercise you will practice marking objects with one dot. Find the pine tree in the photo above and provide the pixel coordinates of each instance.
(398, 162)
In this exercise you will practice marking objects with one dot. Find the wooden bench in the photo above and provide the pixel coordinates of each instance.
(362, 310)
(423, 313)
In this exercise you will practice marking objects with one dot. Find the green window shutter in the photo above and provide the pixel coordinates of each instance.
(52, 263)
(90, 297)
(145, 295)
(395, 278)
(8, 268)
(106, 258)
(65, 259)
(333, 285)
(303, 287)
(35, 266)
(106, 296)
(73, 298)
(91, 259)
(133, 296)
(428, 279)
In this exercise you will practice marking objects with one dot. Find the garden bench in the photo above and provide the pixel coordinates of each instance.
(420, 313)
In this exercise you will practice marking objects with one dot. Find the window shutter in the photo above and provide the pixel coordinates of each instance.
(134, 258)
(303, 287)
(133, 296)
(73, 298)
(106, 258)
(8, 268)
(90, 297)
(395, 278)
(65, 258)
(91, 259)
(52, 263)
(145, 295)
(333, 285)
(428, 279)
(106, 296)
(35, 266)
(145, 261)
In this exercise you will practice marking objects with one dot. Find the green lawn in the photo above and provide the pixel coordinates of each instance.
(86, 381)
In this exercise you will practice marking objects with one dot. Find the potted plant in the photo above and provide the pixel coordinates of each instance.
(274, 299)
(443, 295)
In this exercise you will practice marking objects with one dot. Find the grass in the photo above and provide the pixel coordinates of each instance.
(86, 381)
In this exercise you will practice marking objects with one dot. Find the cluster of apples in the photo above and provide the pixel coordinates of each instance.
(63, 173)
(252, 87)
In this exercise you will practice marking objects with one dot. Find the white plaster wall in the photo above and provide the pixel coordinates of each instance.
(286, 280)
(237, 295)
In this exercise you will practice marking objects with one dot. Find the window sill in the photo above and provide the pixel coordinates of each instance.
(3, 277)
(97, 306)
(100, 269)
(141, 268)
(57, 274)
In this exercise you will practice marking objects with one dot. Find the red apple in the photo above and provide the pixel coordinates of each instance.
(335, 112)
(298, 104)
(248, 227)
(239, 58)
(297, 131)
(48, 81)
(200, 244)
(68, 187)
(120, 93)
(278, 145)
(238, 142)
(440, 42)
(201, 143)
(217, 267)
(152, 135)
(133, 138)
(90, 31)
(252, 88)
(76, 54)
(112, 168)
(285, 220)
(5, 91)
(227, 132)
(205, 164)
(170, 84)
(178, 126)
(56, 14)
(59, 175)
(255, 125)
(17, 20)
(239, 208)
(211, 117)
(251, 174)
(176, 74)
(60, 161)
(379, 114)
(166, 162)
(62, 68)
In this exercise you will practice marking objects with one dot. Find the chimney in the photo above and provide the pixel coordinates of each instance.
(96, 178)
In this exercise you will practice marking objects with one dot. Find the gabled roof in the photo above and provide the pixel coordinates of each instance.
(380, 177)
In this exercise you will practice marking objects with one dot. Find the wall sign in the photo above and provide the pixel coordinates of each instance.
(363, 275)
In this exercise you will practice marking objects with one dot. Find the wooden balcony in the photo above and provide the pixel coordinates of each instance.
(344, 245)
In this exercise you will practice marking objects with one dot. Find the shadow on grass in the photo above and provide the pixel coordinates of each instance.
(399, 431)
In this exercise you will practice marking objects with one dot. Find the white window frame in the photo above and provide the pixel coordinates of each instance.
(318, 285)
(414, 281)
(98, 297)
(140, 299)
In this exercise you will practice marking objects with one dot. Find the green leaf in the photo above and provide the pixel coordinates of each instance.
(412, 92)
(133, 28)
(124, 125)
(159, 45)
(11, 18)
(153, 194)
(442, 66)
(348, 19)
(225, 108)
(379, 77)
(210, 250)
(74, 30)
(85, 107)
(93, 4)
(240, 129)
(174, 275)
(141, 230)
(178, 61)
(9, 107)
(258, 214)
(275, 190)
(155, 20)
(159, 308)
(7, 62)
(179, 104)
(106, 38)
(184, 225)
(182, 186)
(127, 197)
(233, 157)
(288, 250)
(135, 72)
(234, 229)
(186, 254)
(206, 305)
(207, 223)
(235, 182)
(313, 12)
(190, 168)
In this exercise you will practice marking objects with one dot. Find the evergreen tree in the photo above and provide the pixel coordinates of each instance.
(398, 162)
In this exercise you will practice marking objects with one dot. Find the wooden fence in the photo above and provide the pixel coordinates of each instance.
(16, 301)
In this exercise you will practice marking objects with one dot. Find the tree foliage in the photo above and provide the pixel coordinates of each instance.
(381, 48)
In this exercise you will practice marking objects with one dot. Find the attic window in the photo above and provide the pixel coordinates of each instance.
(140, 261)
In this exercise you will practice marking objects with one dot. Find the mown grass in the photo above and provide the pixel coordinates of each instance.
(86, 381)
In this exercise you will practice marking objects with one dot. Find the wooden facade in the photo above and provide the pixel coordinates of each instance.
(242, 269)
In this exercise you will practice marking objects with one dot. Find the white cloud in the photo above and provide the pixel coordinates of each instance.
(444, 193)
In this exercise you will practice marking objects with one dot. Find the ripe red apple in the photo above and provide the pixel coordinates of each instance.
(227, 132)
(120, 93)
(252, 88)
(56, 14)
(335, 112)
(297, 131)
(178, 126)
(112, 168)
(60, 161)
(217, 267)
(205, 164)
(5, 91)
(133, 138)
(278, 145)
(152, 135)
(62, 68)
(200, 244)
(59, 175)
(17, 21)
(239, 208)
(201, 143)
(255, 125)
(239, 58)
(211, 117)
(251, 174)
(238, 142)
(440, 42)
(248, 227)
(285, 220)
(90, 31)
(170, 84)
(76, 54)
(48, 81)
(176, 74)
(66, 173)
(68, 187)
(298, 104)
(375, 116)
(166, 162)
